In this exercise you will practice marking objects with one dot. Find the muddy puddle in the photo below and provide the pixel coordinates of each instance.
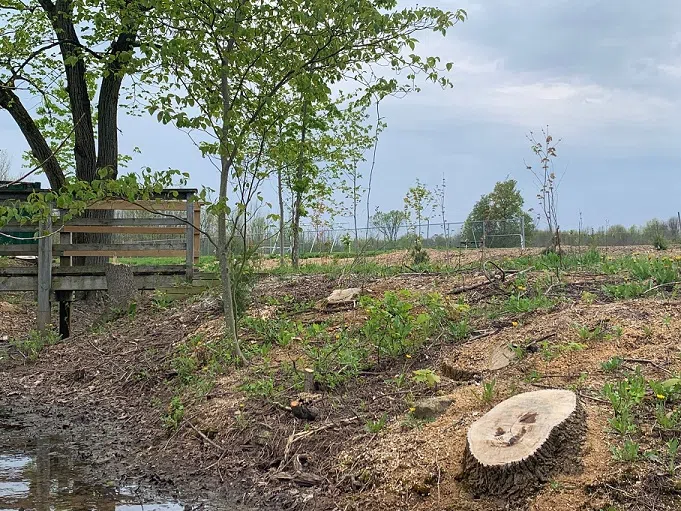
(42, 474)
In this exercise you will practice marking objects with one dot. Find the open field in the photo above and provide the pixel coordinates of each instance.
(161, 377)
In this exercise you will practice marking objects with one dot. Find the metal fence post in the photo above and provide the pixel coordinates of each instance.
(522, 232)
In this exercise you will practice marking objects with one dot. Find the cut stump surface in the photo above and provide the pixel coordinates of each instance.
(523, 441)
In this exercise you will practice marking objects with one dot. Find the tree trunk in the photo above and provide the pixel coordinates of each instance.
(282, 223)
(298, 191)
(522, 442)
(226, 160)
(295, 228)
(40, 149)
(354, 209)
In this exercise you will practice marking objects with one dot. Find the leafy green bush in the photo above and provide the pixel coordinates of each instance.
(625, 291)
(392, 326)
(35, 342)
(174, 415)
(660, 243)
(418, 255)
(337, 357)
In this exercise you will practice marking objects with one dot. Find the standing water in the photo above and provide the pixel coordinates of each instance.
(42, 476)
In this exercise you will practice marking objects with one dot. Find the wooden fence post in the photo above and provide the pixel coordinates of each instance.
(64, 297)
(190, 240)
(44, 273)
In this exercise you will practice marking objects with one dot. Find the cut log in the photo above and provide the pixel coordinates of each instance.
(523, 441)
(342, 296)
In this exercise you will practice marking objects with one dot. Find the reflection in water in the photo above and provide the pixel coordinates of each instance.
(45, 478)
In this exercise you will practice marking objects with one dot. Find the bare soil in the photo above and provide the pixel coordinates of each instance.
(110, 387)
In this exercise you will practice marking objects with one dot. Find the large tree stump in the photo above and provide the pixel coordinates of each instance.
(523, 441)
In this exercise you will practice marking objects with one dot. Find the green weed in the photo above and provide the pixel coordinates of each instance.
(426, 376)
(522, 304)
(376, 426)
(392, 326)
(335, 358)
(34, 343)
(411, 422)
(629, 452)
(488, 391)
(660, 242)
(161, 300)
(672, 451)
(174, 415)
(625, 291)
(612, 364)
(273, 331)
(259, 387)
(590, 334)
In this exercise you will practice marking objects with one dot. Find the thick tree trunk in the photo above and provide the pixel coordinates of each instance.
(41, 150)
(61, 17)
(522, 442)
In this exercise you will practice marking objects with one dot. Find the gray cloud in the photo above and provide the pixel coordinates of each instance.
(605, 75)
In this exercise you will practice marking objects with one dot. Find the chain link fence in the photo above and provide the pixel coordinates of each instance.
(264, 238)
(329, 239)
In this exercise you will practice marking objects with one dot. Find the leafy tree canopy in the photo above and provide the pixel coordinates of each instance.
(500, 211)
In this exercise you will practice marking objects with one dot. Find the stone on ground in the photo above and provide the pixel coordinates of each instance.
(432, 407)
(339, 296)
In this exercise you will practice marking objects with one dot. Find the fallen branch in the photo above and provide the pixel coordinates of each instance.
(483, 335)
(540, 339)
(310, 432)
(221, 449)
(463, 289)
(661, 285)
(649, 362)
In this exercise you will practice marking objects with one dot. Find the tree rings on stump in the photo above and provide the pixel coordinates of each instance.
(523, 441)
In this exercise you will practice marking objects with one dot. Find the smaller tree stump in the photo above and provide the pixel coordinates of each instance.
(523, 441)
(120, 283)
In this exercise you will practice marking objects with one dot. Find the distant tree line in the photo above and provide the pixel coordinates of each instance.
(616, 234)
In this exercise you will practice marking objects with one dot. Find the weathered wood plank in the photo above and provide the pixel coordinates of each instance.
(44, 275)
(124, 229)
(189, 238)
(126, 253)
(18, 283)
(153, 205)
(65, 283)
(159, 220)
(117, 247)
(13, 227)
(16, 250)
(171, 269)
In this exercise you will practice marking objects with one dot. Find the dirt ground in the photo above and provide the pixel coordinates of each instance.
(465, 257)
(111, 386)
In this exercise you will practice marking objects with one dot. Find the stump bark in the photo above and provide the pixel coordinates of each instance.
(522, 442)
(120, 282)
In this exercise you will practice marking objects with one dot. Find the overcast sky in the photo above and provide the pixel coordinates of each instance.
(604, 75)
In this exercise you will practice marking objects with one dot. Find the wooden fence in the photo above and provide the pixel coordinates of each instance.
(175, 217)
